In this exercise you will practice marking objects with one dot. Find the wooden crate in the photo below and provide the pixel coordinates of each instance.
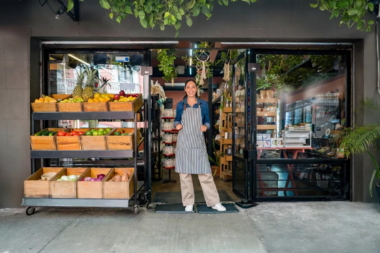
(34, 187)
(120, 142)
(95, 107)
(44, 107)
(69, 107)
(44, 142)
(127, 106)
(68, 142)
(119, 190)
(65, 189)
(90, 189)
(89, 142)
(60, 96)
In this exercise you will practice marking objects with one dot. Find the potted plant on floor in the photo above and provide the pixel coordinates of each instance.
(363, 139)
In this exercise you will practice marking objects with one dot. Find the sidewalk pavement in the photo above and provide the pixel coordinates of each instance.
(304, 227)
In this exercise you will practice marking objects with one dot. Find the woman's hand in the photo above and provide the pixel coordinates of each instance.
(203, 128)
(179, 127)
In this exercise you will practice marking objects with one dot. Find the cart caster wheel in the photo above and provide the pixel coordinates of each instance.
(142, 198)
(136, 209)
(30, 210)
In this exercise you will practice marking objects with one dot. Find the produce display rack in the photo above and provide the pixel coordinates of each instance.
(32, 203)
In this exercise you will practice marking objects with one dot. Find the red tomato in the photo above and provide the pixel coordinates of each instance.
(69, 134)
(81, 133)
(75, 134)
(61, 133)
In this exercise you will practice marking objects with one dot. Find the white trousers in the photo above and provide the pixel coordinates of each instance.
(208, 187)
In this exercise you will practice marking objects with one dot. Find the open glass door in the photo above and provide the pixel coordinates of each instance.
(243, 137)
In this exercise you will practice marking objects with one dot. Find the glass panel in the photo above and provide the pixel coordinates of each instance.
(115, 72)
(300, 105)
(122, 70)
(287, 180)
(239, 183)
(240, 110)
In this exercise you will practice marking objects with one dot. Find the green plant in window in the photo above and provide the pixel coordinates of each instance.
(166, 58)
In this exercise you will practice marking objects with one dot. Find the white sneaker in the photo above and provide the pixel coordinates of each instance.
(219, 207)
(189, 208)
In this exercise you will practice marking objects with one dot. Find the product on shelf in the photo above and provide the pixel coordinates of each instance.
(101, 98)
(125, 177)
(71, 178)
(122, 132)
(168, 138)
(169, 150)
(175, 137)
(48, 176)
(168, 113)
(69, 132)
(167, 126)
(72, 100)
(169, 163)
(98, 132)
(45, 132)
(99, 177)
(45, 99)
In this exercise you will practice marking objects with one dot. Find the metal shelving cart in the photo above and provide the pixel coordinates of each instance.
(32, 203)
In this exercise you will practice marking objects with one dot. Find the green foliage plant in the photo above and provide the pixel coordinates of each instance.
(362, 139)
(164, 13)
(161, 13)
(351, 12)
(166, 58)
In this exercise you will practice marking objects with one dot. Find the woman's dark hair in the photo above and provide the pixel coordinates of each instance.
(187, 81)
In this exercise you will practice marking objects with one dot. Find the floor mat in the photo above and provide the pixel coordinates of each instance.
(203, 209)
(171, 208)
(175, 197)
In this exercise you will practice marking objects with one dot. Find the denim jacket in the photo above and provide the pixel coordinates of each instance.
(204, 111)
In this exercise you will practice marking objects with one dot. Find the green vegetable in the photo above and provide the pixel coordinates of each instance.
(52, 133)
(46, 133)
(40, 133)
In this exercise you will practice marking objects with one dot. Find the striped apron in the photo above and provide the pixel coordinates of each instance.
(191, 154)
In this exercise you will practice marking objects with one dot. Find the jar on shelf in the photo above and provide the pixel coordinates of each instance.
(174, 138)
(168, 138)
(167, 126)
(168, 113)
(168, 150)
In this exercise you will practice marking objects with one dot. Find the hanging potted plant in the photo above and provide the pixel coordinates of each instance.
(166, 58)
(363, 139)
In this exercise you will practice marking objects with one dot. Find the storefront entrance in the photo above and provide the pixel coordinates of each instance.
(273, 116)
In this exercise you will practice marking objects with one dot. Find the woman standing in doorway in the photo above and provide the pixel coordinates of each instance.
(191, 155)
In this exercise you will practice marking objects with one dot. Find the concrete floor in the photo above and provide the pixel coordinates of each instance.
(305, 227)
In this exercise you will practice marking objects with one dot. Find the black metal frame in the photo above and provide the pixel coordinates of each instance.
(251, 194)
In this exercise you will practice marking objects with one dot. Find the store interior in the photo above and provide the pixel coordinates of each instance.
(301, 105)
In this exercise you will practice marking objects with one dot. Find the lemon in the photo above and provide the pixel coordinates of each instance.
(96, 100)
(90, 100)
(96, 95)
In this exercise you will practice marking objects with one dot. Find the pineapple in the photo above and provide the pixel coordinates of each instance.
(78, 90)
(92, 78)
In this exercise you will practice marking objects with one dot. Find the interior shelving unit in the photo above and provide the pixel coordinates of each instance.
(226, 127)
(80, 202)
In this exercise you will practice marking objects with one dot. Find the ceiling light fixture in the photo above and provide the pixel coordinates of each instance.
(76, 58)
